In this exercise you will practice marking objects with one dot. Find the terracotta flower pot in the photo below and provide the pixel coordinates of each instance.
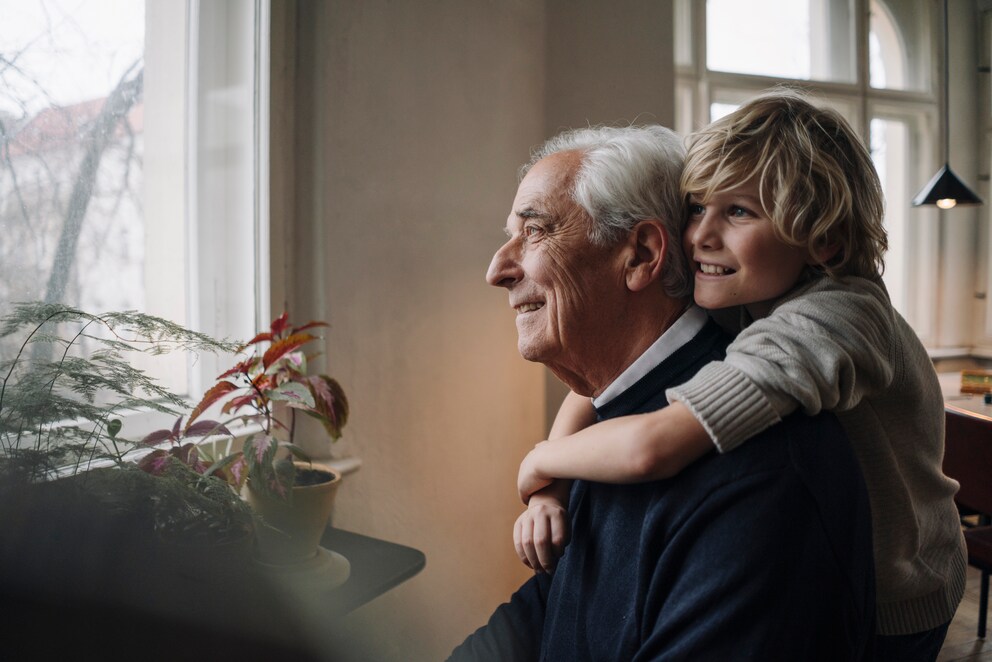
(293, 527)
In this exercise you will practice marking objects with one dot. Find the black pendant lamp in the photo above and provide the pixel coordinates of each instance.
(945, 189)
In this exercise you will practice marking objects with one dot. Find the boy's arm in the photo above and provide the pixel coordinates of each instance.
(630, 449)
(576, 413)
(826, 347)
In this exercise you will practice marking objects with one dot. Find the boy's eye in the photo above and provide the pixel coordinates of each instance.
(740, 212)
(696, 209)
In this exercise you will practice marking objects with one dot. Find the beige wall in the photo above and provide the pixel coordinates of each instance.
(397, 131)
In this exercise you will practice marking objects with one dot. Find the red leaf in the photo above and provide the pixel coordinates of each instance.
(204, 428)
(308, 325)
(331, 404)
(282, 347)
(259, 338)
(190, 456)
(216, 392)
(155, 462)
(280, 324)
(241, 368)
(175, 427)
(237, 403)
(157, 437)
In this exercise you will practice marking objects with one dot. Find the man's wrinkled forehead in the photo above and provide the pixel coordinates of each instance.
(546, 189)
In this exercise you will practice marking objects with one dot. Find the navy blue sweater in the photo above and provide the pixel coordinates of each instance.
(763, 553)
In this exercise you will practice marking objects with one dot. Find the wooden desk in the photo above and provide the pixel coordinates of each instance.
(969, 405)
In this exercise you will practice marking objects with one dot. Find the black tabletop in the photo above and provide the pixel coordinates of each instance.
(376, 566)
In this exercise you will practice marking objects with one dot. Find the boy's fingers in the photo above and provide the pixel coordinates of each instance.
(526, 538)
(542, 543)
(560, 533)
(518, 543)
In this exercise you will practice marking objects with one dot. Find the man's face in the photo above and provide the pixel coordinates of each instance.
(562, 287)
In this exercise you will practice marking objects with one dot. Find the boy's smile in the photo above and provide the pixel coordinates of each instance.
(738, 258)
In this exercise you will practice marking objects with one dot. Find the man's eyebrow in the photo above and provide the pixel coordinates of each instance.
(530, 212)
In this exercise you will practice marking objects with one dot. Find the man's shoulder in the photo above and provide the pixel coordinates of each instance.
(794, 449)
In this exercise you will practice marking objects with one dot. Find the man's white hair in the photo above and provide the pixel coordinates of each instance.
(629, 174)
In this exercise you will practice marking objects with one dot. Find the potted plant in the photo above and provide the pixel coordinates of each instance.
(266, 391)
(67, 382)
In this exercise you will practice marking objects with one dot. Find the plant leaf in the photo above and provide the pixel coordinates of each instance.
(157, 437)
(238, 402)
(155, 462)
(297, 452)
(113, 427)
(215, 393)
(262, 337)
(241, 368)
(331, 407)
(175, 427)
(292, 392)
(309, 325)
(280, 348)
(204, 428)
(280, 324)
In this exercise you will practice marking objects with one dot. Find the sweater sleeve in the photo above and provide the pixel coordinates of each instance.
(824, 347)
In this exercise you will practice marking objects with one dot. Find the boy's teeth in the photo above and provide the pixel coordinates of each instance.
(714, 269)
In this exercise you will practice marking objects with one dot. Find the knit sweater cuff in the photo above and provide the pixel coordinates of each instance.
(728, 405)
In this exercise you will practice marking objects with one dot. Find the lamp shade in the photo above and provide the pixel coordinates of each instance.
(945, 190)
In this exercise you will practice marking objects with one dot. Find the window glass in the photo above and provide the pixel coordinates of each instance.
(890, 153)
(803, 40)
(72, 153)
(893, 27)
(129, 164)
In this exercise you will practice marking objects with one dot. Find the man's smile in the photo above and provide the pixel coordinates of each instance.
(528, 307)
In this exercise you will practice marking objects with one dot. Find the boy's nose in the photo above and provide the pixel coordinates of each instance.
(701, 232)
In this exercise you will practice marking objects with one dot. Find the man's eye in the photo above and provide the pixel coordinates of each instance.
(532, 231)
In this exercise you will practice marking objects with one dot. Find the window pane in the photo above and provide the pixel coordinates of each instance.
(72, 153)
(804, 40)
(127, 163)
(890, 152)
(893, 27)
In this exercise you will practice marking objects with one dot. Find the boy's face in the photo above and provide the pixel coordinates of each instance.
(738, 260)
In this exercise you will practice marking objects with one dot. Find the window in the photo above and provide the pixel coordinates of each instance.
(853, 56)
(132, 163)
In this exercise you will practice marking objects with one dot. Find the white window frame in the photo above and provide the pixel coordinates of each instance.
(223, 124)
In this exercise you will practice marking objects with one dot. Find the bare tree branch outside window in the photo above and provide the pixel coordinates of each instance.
(71, 151)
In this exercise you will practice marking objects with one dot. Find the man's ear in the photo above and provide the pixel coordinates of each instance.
(645, 254)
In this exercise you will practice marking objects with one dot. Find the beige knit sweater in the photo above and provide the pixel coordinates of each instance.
(839, 345)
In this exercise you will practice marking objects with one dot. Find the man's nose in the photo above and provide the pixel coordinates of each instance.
(504, 270)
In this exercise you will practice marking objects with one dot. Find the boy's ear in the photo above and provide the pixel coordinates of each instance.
(823, 253)
(645, 254)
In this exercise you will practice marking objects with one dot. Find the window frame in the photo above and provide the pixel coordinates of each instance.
(918, 108)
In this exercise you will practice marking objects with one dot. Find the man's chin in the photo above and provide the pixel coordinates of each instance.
(532, 352)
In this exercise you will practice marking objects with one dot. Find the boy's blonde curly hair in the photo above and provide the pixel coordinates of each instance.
(815, 178)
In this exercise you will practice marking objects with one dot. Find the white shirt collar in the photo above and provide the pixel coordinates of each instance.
(682, 331)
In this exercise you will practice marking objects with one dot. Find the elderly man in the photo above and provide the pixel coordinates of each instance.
(763, 553)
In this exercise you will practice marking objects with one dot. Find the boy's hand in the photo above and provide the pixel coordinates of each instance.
(541, 534)
(529, 480)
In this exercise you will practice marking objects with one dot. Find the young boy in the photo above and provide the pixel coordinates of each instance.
(785, 230)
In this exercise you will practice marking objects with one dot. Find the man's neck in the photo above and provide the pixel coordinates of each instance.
(631, 339)
(678, 334)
